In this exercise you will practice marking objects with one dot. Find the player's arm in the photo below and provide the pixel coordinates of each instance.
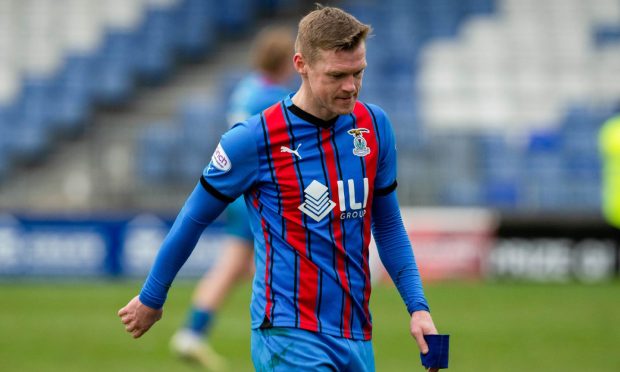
(392, 240)
(397, 256)
(200, 209)
(203, 206)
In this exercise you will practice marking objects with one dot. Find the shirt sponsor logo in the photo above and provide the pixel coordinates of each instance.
(220, 160)
(355, 209)
(317, 203)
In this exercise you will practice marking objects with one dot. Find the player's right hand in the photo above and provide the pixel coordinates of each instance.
(138, 318)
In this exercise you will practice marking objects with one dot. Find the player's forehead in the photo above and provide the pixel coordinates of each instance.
(343, 60)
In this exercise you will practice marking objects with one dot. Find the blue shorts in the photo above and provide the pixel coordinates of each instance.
(293, 349)
(238, 220)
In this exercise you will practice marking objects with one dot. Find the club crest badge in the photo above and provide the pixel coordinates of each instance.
(360, 146)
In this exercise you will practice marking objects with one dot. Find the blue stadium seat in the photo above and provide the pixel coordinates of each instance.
(191, 165)
(33, 118)
(503, 194)
(178, 151)
(544, 166)
(156, 45)
(500, 164)
(499, 160)
(73, 93)
(30, 141)
(582, 166)
(272, 7)
(545, 195)
(157, 154)
(584, 195)
(581, 117)
(235, 17)
(5, 137)
(227, 82)
(580, 156)
(5, 164)
(461, 192)
(196, 28)
(455, 168)
(545, 141)
(444, 17)
(366, 12)
(201, 126)
(584, 141)
(479, 7)
(115, 67)
(607, 34)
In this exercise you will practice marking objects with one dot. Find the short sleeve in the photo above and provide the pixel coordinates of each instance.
(385, 181)
(234, 164)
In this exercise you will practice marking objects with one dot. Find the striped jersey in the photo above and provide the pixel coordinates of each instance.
(308, 185)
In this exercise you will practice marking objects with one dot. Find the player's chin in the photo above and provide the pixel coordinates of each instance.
(345, 105)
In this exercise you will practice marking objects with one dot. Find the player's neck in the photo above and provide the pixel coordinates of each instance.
(305, 101)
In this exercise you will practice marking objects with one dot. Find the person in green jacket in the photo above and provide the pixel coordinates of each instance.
(609, 145)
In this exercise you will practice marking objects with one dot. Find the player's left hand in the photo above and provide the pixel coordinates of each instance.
(422, 324)
(138, 318)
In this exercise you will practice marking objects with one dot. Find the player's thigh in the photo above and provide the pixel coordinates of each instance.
(290, 349)
(236, 256)
(362, 356)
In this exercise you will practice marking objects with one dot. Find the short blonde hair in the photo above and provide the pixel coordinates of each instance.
(273, 48)
(329, 28)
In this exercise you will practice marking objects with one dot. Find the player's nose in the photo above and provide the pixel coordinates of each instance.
(348, 85)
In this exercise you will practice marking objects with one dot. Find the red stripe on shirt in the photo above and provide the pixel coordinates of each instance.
(364, 120)
(291, 196)
(330, 161)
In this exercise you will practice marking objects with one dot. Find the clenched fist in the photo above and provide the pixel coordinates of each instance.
(138, 318)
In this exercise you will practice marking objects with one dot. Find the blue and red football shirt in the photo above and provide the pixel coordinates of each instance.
(308, 185)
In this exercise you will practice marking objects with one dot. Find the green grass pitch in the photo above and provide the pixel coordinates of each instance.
(61, 326)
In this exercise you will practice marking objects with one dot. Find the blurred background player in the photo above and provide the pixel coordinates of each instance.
(271, 57)
(609, 143)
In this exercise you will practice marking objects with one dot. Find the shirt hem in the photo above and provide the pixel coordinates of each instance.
(358, 336)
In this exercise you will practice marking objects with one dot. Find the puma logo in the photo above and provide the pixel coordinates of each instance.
(295, 152)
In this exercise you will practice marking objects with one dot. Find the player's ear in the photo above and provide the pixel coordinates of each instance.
(300, 64)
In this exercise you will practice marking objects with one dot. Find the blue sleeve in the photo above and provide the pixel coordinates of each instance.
(200, 209)
(395, 251)
(234, 164)
(385, 181)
